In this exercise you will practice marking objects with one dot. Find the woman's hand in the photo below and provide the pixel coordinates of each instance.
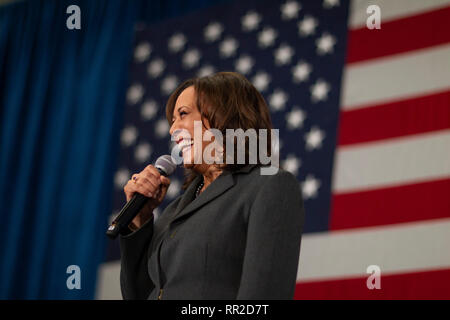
(150, 183)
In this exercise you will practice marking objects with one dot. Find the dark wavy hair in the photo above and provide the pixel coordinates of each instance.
(228, 101)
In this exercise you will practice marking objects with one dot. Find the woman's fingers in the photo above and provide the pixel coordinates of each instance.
(151, 170)
(129, 189)
(165, 181)
(145, 187)
(151, 183)
(148, 182)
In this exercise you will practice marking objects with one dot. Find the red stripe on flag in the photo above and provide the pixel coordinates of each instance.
(417, 115)
(413, 202)
(401, 35)
(417, 285)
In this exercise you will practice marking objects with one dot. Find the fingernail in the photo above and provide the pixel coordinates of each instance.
(150, 195)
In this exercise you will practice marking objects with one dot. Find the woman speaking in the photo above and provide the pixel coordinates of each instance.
(234, 233)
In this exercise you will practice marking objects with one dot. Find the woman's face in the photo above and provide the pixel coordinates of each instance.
(182, 129)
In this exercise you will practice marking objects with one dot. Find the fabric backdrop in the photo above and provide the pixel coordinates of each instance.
(61, 107)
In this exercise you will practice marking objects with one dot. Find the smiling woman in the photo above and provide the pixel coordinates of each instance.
(184, 118)
(224, 101)
(235, 232)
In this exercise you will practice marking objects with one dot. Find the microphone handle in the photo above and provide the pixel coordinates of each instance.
(127, 214)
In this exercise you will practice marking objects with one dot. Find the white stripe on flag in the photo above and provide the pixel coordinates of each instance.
(401, 248)
(392, 162)
(108, 281)
(396, 77)
(391, 9)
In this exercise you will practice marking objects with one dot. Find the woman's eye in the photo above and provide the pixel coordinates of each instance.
(182, 113)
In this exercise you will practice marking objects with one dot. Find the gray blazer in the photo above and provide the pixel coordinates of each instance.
(240, 239)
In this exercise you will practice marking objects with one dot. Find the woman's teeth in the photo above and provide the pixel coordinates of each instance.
(186, 143)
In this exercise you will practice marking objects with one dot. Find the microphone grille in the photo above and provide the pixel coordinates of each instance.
(166, 163)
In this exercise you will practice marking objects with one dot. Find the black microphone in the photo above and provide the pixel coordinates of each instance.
(166, 166)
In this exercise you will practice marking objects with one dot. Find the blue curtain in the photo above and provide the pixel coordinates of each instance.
(61, 104)
(61, 98)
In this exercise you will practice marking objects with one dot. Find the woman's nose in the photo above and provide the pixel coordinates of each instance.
(175, 129)
(172, 128)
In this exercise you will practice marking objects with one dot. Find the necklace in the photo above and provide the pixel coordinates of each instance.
(200, 186)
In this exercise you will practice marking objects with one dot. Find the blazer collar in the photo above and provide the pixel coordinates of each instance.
(224, 182)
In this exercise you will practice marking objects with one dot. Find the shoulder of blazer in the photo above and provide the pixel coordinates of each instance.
(272, 173)
(252, 180)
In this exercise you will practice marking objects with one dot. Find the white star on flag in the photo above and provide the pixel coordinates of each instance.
(291, 164)
(244, 64)
(143, 152)
(310, 187)
(177, 42)
(314, 138)
(301, 71)
(228, 47)
(278, 99)
(142, 52)
(319, 91)
(169, 84)
(135, 93)
(128, 136)
(156, 67)
(325, 43)
(266, 37)
(307, 26)
(162, 128)
(206, 71)
(328, 4)
(295, 118)
(290, 9)
(191, 58)
(261, 80)
(283, 54)
(250, 21)
(213, 31)
(149, 109)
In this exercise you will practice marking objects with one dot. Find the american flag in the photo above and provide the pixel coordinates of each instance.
(364, 118)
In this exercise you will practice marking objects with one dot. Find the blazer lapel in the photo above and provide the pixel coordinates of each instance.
(188, 195)
(224, 182)
(188, 204)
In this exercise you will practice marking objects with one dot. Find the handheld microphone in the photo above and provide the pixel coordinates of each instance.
(166, 166)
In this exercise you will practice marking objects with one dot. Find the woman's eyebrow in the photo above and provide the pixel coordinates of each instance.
(183, 106)
(179, 109)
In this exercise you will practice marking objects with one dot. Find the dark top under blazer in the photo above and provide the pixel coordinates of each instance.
(240, 239)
